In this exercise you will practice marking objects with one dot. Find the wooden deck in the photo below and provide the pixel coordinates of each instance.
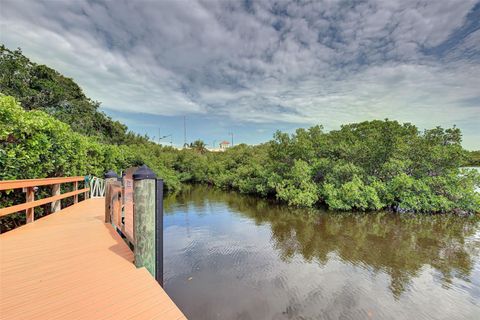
(71, 265)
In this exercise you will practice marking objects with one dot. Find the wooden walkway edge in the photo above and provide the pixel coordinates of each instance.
(71, 265)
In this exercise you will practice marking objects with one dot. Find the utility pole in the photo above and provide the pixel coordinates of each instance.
(184, 131)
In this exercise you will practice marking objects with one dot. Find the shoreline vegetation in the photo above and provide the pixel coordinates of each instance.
(48, 127)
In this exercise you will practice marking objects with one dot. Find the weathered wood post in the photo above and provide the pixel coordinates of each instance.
(148, 222)
(30, 196)
(127, 178)
(57, 204)
(110, 177)
(75, 188)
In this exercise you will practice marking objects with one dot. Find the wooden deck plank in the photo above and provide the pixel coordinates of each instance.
(71, 265)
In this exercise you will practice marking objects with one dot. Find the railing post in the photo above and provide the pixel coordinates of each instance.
(86, 185)
(56, 205)
(29, 197)
(110, 177)
(144, 190)
(127, 185)
(75, 188)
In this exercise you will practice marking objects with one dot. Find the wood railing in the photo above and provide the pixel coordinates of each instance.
(29, 187)
(134, 206)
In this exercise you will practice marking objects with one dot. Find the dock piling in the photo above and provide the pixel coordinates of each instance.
(145, 219)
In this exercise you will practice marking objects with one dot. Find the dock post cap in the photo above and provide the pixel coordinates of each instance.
(144, 172)
(110, 174)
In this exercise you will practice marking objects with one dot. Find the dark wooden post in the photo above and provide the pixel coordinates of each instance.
(110, 177)
(144, 190)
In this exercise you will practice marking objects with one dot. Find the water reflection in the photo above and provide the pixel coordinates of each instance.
(235, 257)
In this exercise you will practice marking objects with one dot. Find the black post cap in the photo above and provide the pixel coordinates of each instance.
(144, 172)
(111, 174)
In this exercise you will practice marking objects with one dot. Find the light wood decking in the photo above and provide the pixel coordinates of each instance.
(71, 265)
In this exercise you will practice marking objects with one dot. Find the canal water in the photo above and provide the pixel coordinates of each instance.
(229, 256)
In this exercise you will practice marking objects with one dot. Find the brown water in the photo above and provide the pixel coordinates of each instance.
(229, 256)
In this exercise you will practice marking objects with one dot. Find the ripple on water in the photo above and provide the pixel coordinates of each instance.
(235, 257)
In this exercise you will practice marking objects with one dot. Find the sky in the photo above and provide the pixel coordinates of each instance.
(252, 67)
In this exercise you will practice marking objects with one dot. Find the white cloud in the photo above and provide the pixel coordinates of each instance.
(325, 61)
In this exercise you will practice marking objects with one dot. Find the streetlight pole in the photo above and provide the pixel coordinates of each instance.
(168, 135)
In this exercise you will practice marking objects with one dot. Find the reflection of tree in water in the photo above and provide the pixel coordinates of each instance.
(397, 245)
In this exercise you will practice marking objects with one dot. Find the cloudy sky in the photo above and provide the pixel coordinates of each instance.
(251, 67)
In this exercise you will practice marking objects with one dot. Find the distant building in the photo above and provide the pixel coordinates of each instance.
(224, 145)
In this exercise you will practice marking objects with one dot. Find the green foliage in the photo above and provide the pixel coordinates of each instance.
(473, 159)
(297, 187)
(353, 194)
(371, 165)
(38, 87)
(35, 145)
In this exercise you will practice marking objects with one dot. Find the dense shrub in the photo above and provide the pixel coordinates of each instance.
(371, 165)
(35, 145)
